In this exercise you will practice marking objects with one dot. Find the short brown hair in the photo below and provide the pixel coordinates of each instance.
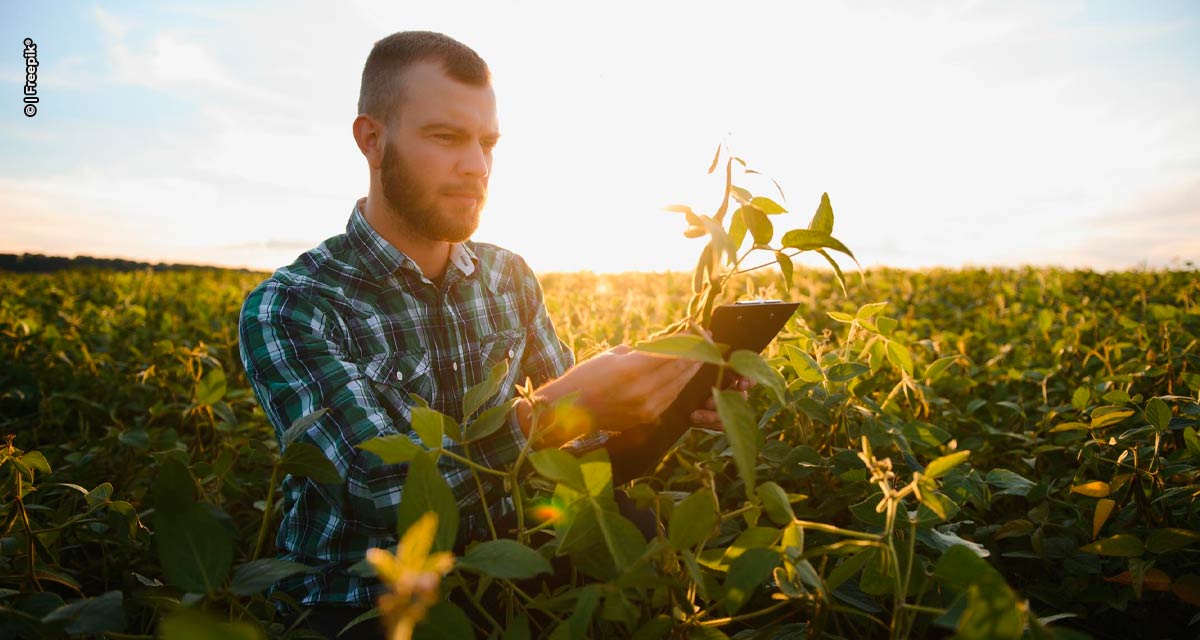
(382, 90)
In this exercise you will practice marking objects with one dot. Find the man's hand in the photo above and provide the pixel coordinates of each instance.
(707, 417)
(620, 388)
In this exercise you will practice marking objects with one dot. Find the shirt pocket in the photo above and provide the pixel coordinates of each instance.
(507, 345)
(395, 377)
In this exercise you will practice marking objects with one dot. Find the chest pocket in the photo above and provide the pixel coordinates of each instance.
(395, 376)
(503, 345)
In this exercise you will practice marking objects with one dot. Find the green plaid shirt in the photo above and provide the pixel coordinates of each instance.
(354, 327)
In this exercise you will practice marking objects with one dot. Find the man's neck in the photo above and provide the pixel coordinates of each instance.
(432, 256)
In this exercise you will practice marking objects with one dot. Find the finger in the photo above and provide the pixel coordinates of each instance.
(621, 349)
(706, 419)
(710, 404)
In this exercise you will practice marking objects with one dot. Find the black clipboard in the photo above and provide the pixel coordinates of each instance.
(635, 451)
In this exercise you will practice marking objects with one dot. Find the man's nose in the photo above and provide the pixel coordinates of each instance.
(474, 162)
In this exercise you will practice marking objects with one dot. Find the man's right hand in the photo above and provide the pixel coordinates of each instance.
(621, 388)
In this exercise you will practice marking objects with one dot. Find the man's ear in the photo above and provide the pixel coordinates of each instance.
(370, 135)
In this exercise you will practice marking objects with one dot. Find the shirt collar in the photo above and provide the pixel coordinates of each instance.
(381, 259)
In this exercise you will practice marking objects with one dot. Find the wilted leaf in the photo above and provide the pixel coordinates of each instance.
(1094, 489)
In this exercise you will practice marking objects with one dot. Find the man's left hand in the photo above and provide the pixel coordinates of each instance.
(707, 417)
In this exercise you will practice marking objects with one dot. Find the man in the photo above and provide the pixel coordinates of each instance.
(404, 303)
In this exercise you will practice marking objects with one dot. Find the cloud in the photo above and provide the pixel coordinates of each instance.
(1159, 229)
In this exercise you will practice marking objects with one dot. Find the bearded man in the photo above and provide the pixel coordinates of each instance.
(404, 303)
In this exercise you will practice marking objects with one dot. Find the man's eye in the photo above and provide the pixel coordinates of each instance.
(446, 137)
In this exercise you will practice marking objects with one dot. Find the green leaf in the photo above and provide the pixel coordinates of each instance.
(191, 624)
(258, 575)
(393, 449)
(195, 549)
(489, 421)
(581, 617)
(752, 366)
(899, 356)
(767, 205)
(940, 466)
(173, 489)
(479, 394)
(993, 610)
(36, 461)
(737, 230)
(1122, 545)
(843, 371)
(444, 621)
(1191, 441)
(785, 267)
(211, 387)
(775, 503)
(98, 496)
(597, 473)
(431, 425)
(89, 615)
(848, 568)
(304, 460)
(692, 520)
(683, 345)
(1170, 539)
(1158, 414)
(1009, 482)
(806, 240)
(506, 559)
(425, 490)
(938, 367)
(759, 225)
(622, 538)
(746, 573)
(300, 425)
(822, 219)
(656, 629)
(742, 430)
(806, 367)
(1107, 419)
(559, 466)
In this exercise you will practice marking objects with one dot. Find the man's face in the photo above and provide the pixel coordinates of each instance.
(437, 157)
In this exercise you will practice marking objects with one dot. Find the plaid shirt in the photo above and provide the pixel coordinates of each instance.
(354, 327)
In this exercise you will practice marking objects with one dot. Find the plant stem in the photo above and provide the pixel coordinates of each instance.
(267, 509)
(472, 464)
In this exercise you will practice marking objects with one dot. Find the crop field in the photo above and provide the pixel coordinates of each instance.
(987, 453)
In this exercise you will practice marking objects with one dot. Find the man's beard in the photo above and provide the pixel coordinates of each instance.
(420, 209)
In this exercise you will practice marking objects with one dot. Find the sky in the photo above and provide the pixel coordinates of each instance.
(946, 133)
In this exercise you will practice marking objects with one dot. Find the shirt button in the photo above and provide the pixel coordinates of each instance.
(510, 353)
(455, 366)
(399, 375)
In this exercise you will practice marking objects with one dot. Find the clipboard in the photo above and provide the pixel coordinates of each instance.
(635, 451)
